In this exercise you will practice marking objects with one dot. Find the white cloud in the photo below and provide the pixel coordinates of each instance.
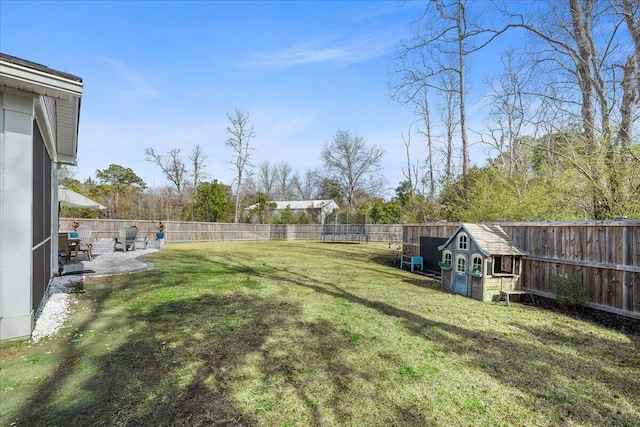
(131, 82)
(328, 49)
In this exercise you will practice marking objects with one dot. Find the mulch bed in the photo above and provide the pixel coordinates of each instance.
(599, 317)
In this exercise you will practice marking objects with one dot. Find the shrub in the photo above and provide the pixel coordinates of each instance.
(570, 290)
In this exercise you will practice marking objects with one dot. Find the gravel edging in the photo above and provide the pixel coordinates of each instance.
(56, 305)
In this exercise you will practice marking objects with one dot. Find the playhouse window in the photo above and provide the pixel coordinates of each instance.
(476, 264)
(447, 257)
(461, 264)
(506, 265)
(463, 241)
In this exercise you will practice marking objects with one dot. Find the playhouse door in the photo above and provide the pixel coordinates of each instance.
(460, 276)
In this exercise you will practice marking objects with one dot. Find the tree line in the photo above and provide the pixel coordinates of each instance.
(350, 175)
(560, 109)
(559, 129)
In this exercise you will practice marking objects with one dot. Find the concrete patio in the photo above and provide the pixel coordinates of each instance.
(109, 263)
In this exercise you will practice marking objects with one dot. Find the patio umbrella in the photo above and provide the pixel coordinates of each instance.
(70, 198)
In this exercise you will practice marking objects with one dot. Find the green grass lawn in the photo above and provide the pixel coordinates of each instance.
(312, 334)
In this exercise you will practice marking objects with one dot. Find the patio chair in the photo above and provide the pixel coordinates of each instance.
(127, 238)
(143, 241)
(119, 241)
(86, 240)
(63, 246)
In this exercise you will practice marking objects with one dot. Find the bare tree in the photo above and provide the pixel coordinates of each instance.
(509, 112)
(352, 166)
(172, 167)
(265, 179)
(240, 132)
(459, 18)
(582, 44)
(283, 174)
(306, 188)
(450, 123)
(631, 74)
(427, 132)
(443, 38)
(197, 159)
(66, 174)
(412, 172)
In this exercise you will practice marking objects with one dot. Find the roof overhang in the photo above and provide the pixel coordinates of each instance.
(506, 249)
(58, 107)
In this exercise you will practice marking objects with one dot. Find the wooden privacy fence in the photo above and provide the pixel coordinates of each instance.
(109, 228)
(606, 254)
(182, 232)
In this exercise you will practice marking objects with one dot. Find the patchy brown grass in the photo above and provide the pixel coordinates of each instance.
(300, 334)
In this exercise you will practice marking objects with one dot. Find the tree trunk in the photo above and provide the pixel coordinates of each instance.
(463, 115)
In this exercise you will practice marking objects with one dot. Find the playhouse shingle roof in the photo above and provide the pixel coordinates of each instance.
(490, 238)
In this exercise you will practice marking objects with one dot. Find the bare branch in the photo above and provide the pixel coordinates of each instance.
(240, 132)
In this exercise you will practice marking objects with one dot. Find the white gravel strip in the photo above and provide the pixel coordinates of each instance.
(55, 306)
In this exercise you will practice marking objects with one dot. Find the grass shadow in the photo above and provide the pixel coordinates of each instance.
(176, 358)
(510, 361)
(247, 349)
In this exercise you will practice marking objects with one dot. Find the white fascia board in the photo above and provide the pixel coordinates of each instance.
(43, 118)
(40, 82)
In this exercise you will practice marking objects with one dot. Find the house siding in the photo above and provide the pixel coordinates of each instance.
(16, 153)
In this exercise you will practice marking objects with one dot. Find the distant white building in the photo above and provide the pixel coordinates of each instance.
(323, 207)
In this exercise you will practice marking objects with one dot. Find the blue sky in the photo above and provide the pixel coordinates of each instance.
(164, 74)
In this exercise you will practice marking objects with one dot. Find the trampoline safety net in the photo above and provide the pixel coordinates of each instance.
(344, 227)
